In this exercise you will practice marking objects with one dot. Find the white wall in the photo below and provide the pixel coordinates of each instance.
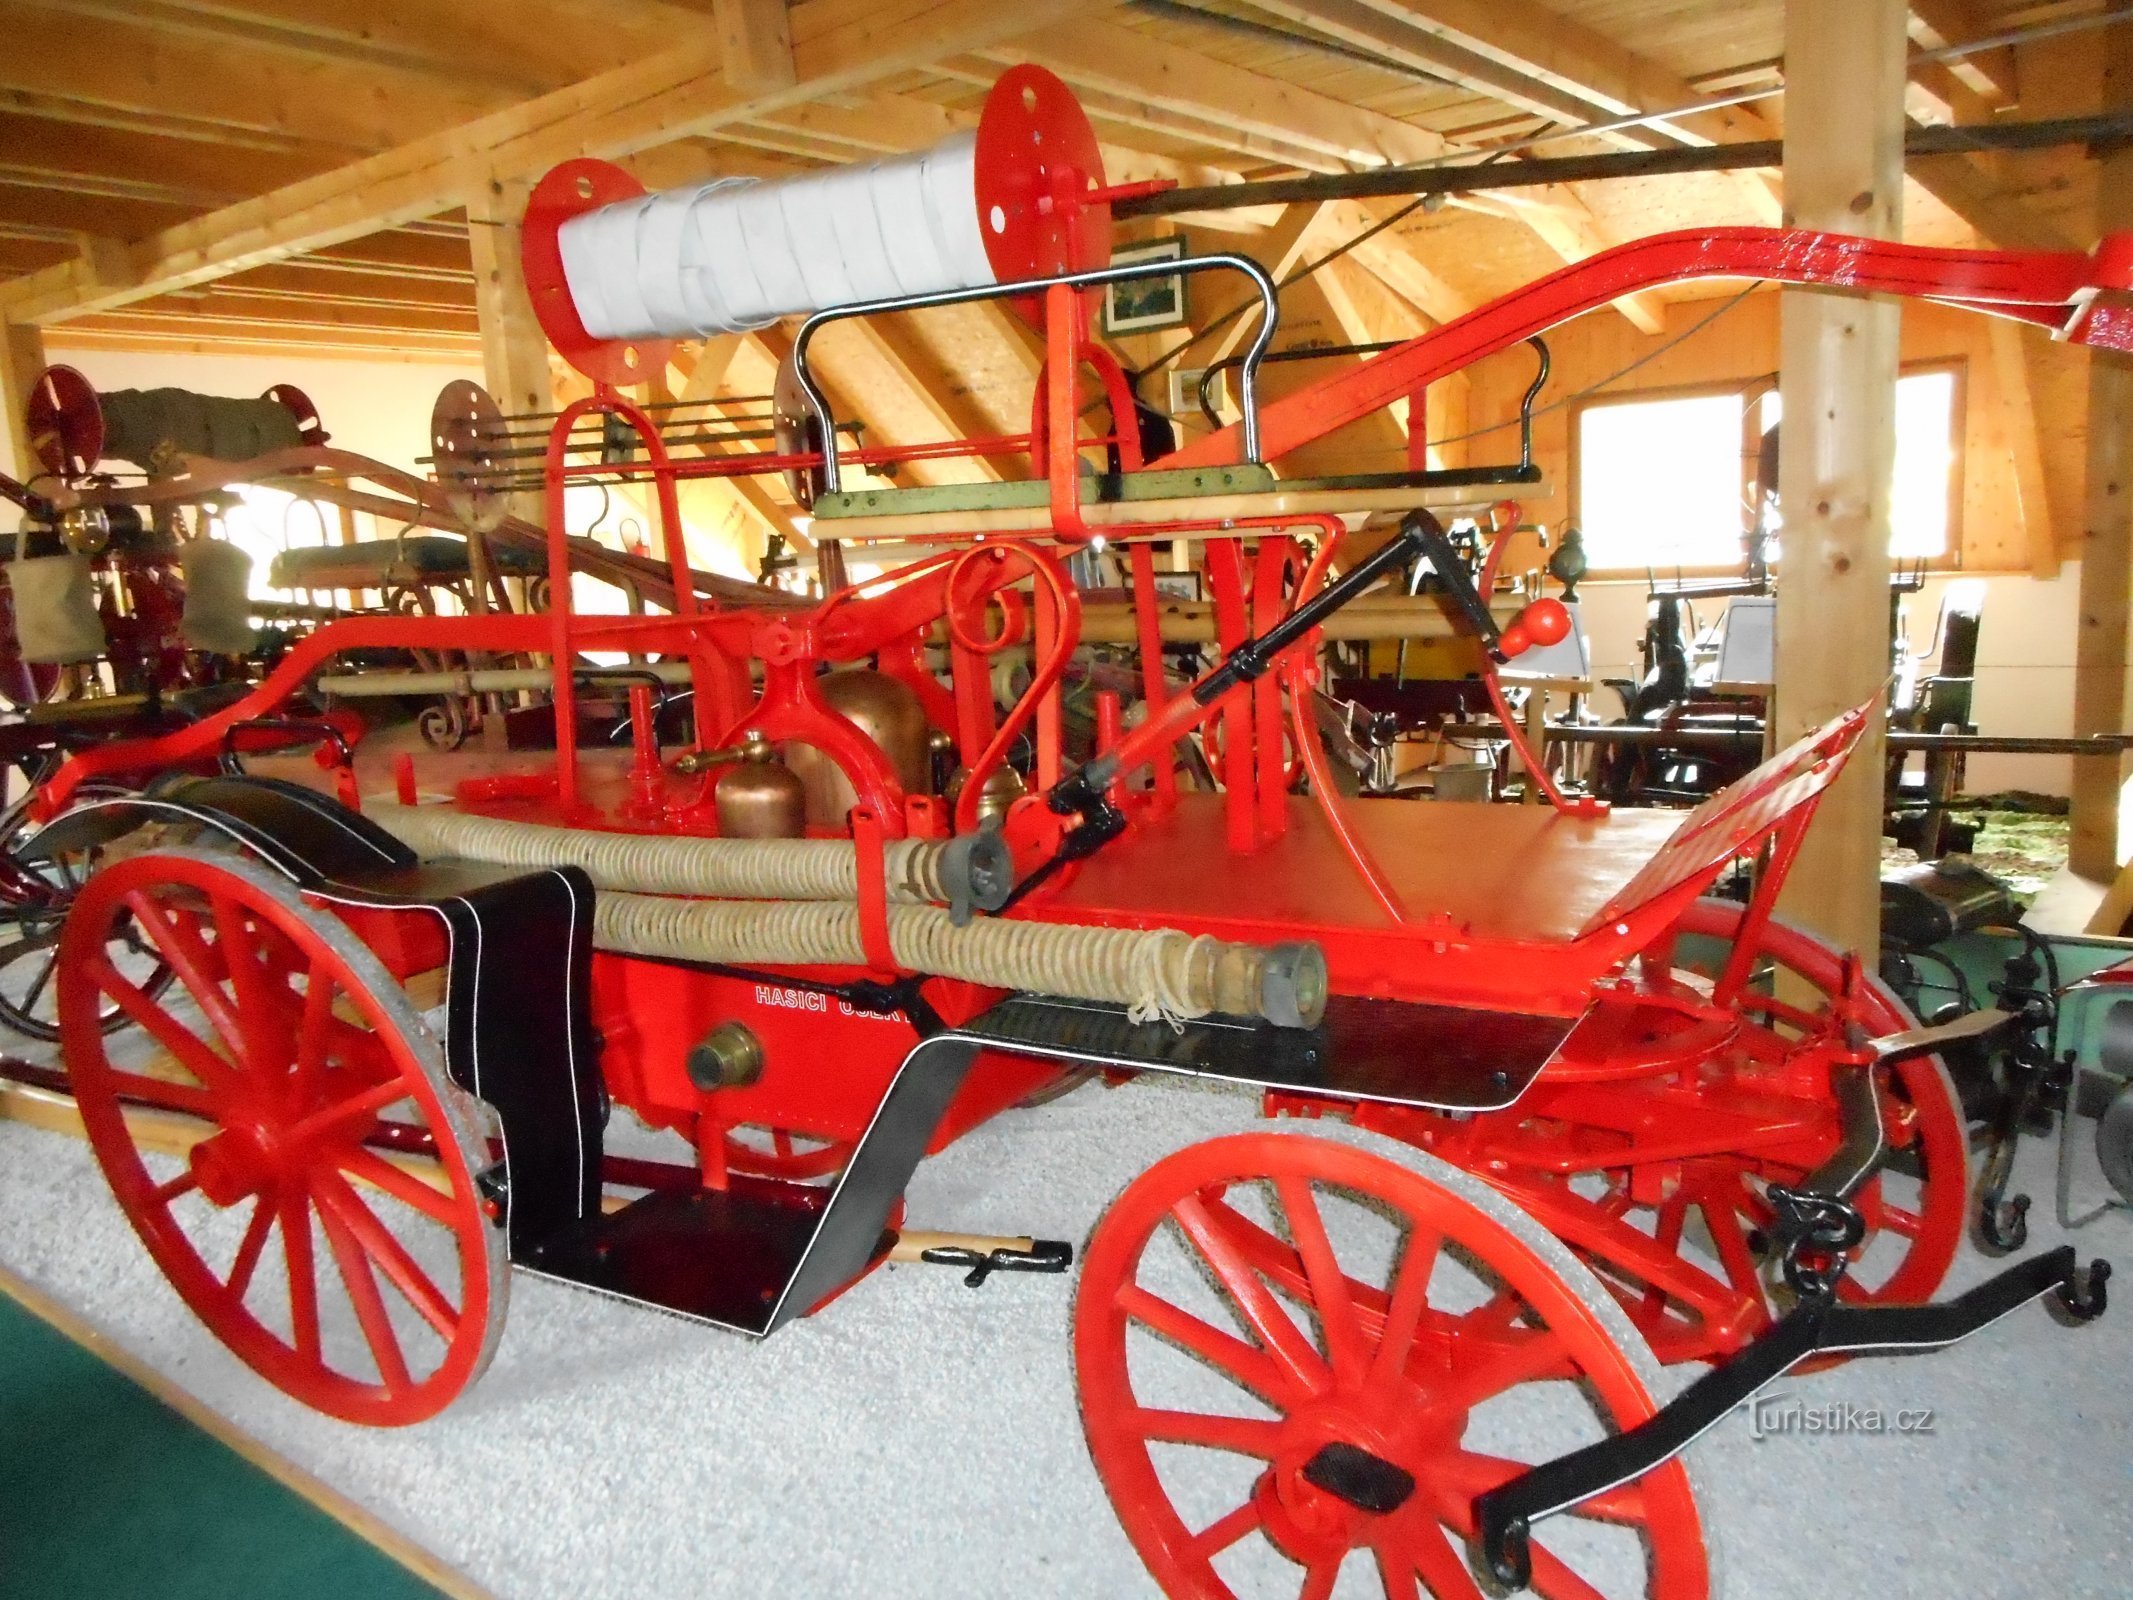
(2025, 680)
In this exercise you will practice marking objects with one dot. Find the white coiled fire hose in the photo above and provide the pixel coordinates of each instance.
(793, 901)
(648, 863)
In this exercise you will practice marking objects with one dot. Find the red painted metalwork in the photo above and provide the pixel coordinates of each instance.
(1406, 1354)
(1673, 1103)
(1042, 205)
(2054, 289)
(568, 190)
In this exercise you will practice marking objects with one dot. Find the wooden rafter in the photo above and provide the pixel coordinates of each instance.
(132, 68)
(838, 46)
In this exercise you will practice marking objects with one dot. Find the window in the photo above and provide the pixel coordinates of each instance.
(1667, 482)
(1659, 481)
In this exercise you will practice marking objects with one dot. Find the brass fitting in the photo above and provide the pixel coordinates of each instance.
(730, 1056)
(753, 748)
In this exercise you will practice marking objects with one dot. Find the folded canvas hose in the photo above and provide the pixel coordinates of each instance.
(648, 863)
(793, 902)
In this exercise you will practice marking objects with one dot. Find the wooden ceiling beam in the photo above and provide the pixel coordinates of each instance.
(1568, 227)
(1988, 73)
(1391, 258)
(107, 216)
(138, 329)
(217, 304)
(889, 124)
(1137, 66)
(526, 47)
(136, 69)
(324, 286)
(1407, 37)
(190, 172)
(838, 46)
(218, 132)
(1588, 76)
(1577, 60)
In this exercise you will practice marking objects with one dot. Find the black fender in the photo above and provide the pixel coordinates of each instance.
(308, 835)
(517, 1029)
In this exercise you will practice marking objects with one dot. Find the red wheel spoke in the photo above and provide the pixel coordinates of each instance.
(1724, 1222)
(1396, 1572)
(312, 1033)
(1248, 1291)
(1247, 1365)
(251, 1247)
(1225, 1531)
(1427, 1551)
(1319, 1579)
(259, 1009)
(1330, 1286)
(191, 1052)
(1469, 1473)
(1494, 1318)
(162, 1094)
(187, 955)
(1882, 1212)
(362, 1107)
(1246, 1436)
(362, 1287)
(1554, 1581)
(183, 1183)
(337, 1200)
(1532, 1357)
(401, 1184)
(295, 1211)
(1410, 1296)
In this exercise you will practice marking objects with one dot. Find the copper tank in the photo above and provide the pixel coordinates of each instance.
(886, 711)
(760, 797)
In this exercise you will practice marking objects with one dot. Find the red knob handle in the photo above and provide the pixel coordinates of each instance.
(1542, 622)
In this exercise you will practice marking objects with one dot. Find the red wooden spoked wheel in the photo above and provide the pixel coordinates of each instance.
(1251, 1301)
(1683, 1240)
(341, 1277)
(1917, 1206)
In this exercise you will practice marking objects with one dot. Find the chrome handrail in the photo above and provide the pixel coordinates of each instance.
(1247, 380)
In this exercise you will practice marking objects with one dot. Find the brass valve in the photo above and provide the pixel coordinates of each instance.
(753, 748)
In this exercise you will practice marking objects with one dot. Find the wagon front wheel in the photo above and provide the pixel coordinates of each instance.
(366, 1284)
(1302, 1357)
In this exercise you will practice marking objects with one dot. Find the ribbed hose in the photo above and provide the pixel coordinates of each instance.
(645, 863)
(793, 901)
(1154, 973)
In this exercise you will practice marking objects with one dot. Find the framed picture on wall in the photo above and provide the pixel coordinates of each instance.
(1140, 304)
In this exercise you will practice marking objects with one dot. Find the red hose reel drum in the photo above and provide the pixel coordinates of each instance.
(1036, 193)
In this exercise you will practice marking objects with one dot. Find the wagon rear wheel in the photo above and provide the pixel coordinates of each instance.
(1260, 1310)
(34, 898)
(368, 1287)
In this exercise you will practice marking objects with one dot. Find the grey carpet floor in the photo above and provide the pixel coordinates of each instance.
(921, 1439)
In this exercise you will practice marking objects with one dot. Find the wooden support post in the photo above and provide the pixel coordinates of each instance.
(514, 351)
(2018, 410)
(2094, 848)
(21, 359)
(755, 39)
(1843, 170)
